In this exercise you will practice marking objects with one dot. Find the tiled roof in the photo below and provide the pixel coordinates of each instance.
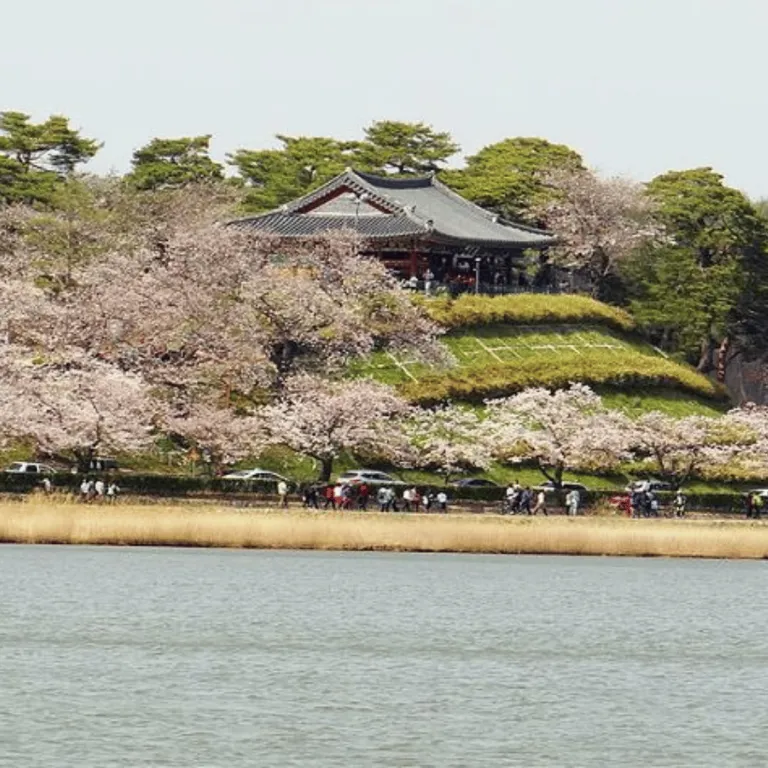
(405, 206)
(308, 225)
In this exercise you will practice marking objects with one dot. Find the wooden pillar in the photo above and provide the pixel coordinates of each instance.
(414, 268)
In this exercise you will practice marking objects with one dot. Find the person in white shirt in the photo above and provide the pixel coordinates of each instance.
(98, 488)
(442, 500)
(407, 499)
(282, 492)
(572, 502)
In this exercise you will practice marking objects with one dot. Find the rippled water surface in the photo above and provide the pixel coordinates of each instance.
(163, 657)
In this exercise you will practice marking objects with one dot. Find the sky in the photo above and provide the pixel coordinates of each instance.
(638, 87)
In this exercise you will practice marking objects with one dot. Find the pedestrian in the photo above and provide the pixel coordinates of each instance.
(47, 485)
(526, 497)
(363, 495)
(112, 491)
(328, 496)
(84, 489)
(282, 493)
(98, 489)
(429, 276)
(541, 504)
(407, 498)
(426, 500)
(338, 496)
(415, 500)
(442, 501)
(680, 503)
(572, 502)
(382, 497)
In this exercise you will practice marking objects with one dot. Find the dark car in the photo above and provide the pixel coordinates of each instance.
(474, 482)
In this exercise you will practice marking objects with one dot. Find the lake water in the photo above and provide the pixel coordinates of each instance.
(163, 657)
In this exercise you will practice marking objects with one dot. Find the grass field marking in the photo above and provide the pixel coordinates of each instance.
(488, 349)
(401, 365)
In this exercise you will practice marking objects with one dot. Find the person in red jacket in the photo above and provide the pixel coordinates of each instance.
(363, 494)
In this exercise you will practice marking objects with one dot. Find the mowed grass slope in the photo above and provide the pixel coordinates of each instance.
(501, 359)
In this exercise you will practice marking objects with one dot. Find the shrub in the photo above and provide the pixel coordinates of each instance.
(470, 310)
(474, 384)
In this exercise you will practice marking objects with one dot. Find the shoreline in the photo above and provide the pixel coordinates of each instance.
(37, 522)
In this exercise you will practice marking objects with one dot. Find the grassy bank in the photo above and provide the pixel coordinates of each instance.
(39, 522)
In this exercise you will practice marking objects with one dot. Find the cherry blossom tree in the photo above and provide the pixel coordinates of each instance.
(449, 439)
(677, 448)
(565, 429)
(218, 433)
(322, 418)
(76, 411)
(598, 221)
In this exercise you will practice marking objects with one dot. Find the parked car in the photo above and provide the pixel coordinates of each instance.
(549, 487)
(368, 476)
(255, 475)
(29, 468)
(474, 482)
(652, 484)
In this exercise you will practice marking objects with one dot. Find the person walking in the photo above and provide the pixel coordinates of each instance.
(363, 495)
(98, 489)
(680, 503)
(572, 502)
(328, 496)
(407, 499)
(282, 494)
(442, 501)
(112, 491)
(541, 504)
(382, 497)
(338, 496)
(526, 497)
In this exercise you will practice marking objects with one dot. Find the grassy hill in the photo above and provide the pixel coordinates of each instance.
(505, 344)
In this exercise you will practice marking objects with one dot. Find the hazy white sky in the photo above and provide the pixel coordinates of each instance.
(637, 86)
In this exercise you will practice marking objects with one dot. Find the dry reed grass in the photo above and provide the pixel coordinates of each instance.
(42, 522)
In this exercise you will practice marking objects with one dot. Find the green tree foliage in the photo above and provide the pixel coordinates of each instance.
(166, 163)
(509, 176)
(706, 289)
(404, 148)
(34, 157)
(277, 176)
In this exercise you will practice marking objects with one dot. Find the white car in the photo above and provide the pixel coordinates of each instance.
(29, 468)
(255, 475)
(369, 477)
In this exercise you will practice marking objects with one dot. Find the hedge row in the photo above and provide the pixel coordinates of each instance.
(470, 310)
(475, 384)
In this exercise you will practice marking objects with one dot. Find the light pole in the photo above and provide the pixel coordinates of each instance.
(477, 274)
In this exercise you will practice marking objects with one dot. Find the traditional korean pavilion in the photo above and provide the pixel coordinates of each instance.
(415, 226)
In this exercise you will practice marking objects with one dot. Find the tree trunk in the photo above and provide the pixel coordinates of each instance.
(326, 467)
(722, 359)
(706, 357)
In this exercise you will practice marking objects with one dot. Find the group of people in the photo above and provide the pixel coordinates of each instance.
(643, 502)
(98, 490)
(519, 500)
(347, 496)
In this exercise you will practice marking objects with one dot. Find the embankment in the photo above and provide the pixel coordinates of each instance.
(184, 526)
